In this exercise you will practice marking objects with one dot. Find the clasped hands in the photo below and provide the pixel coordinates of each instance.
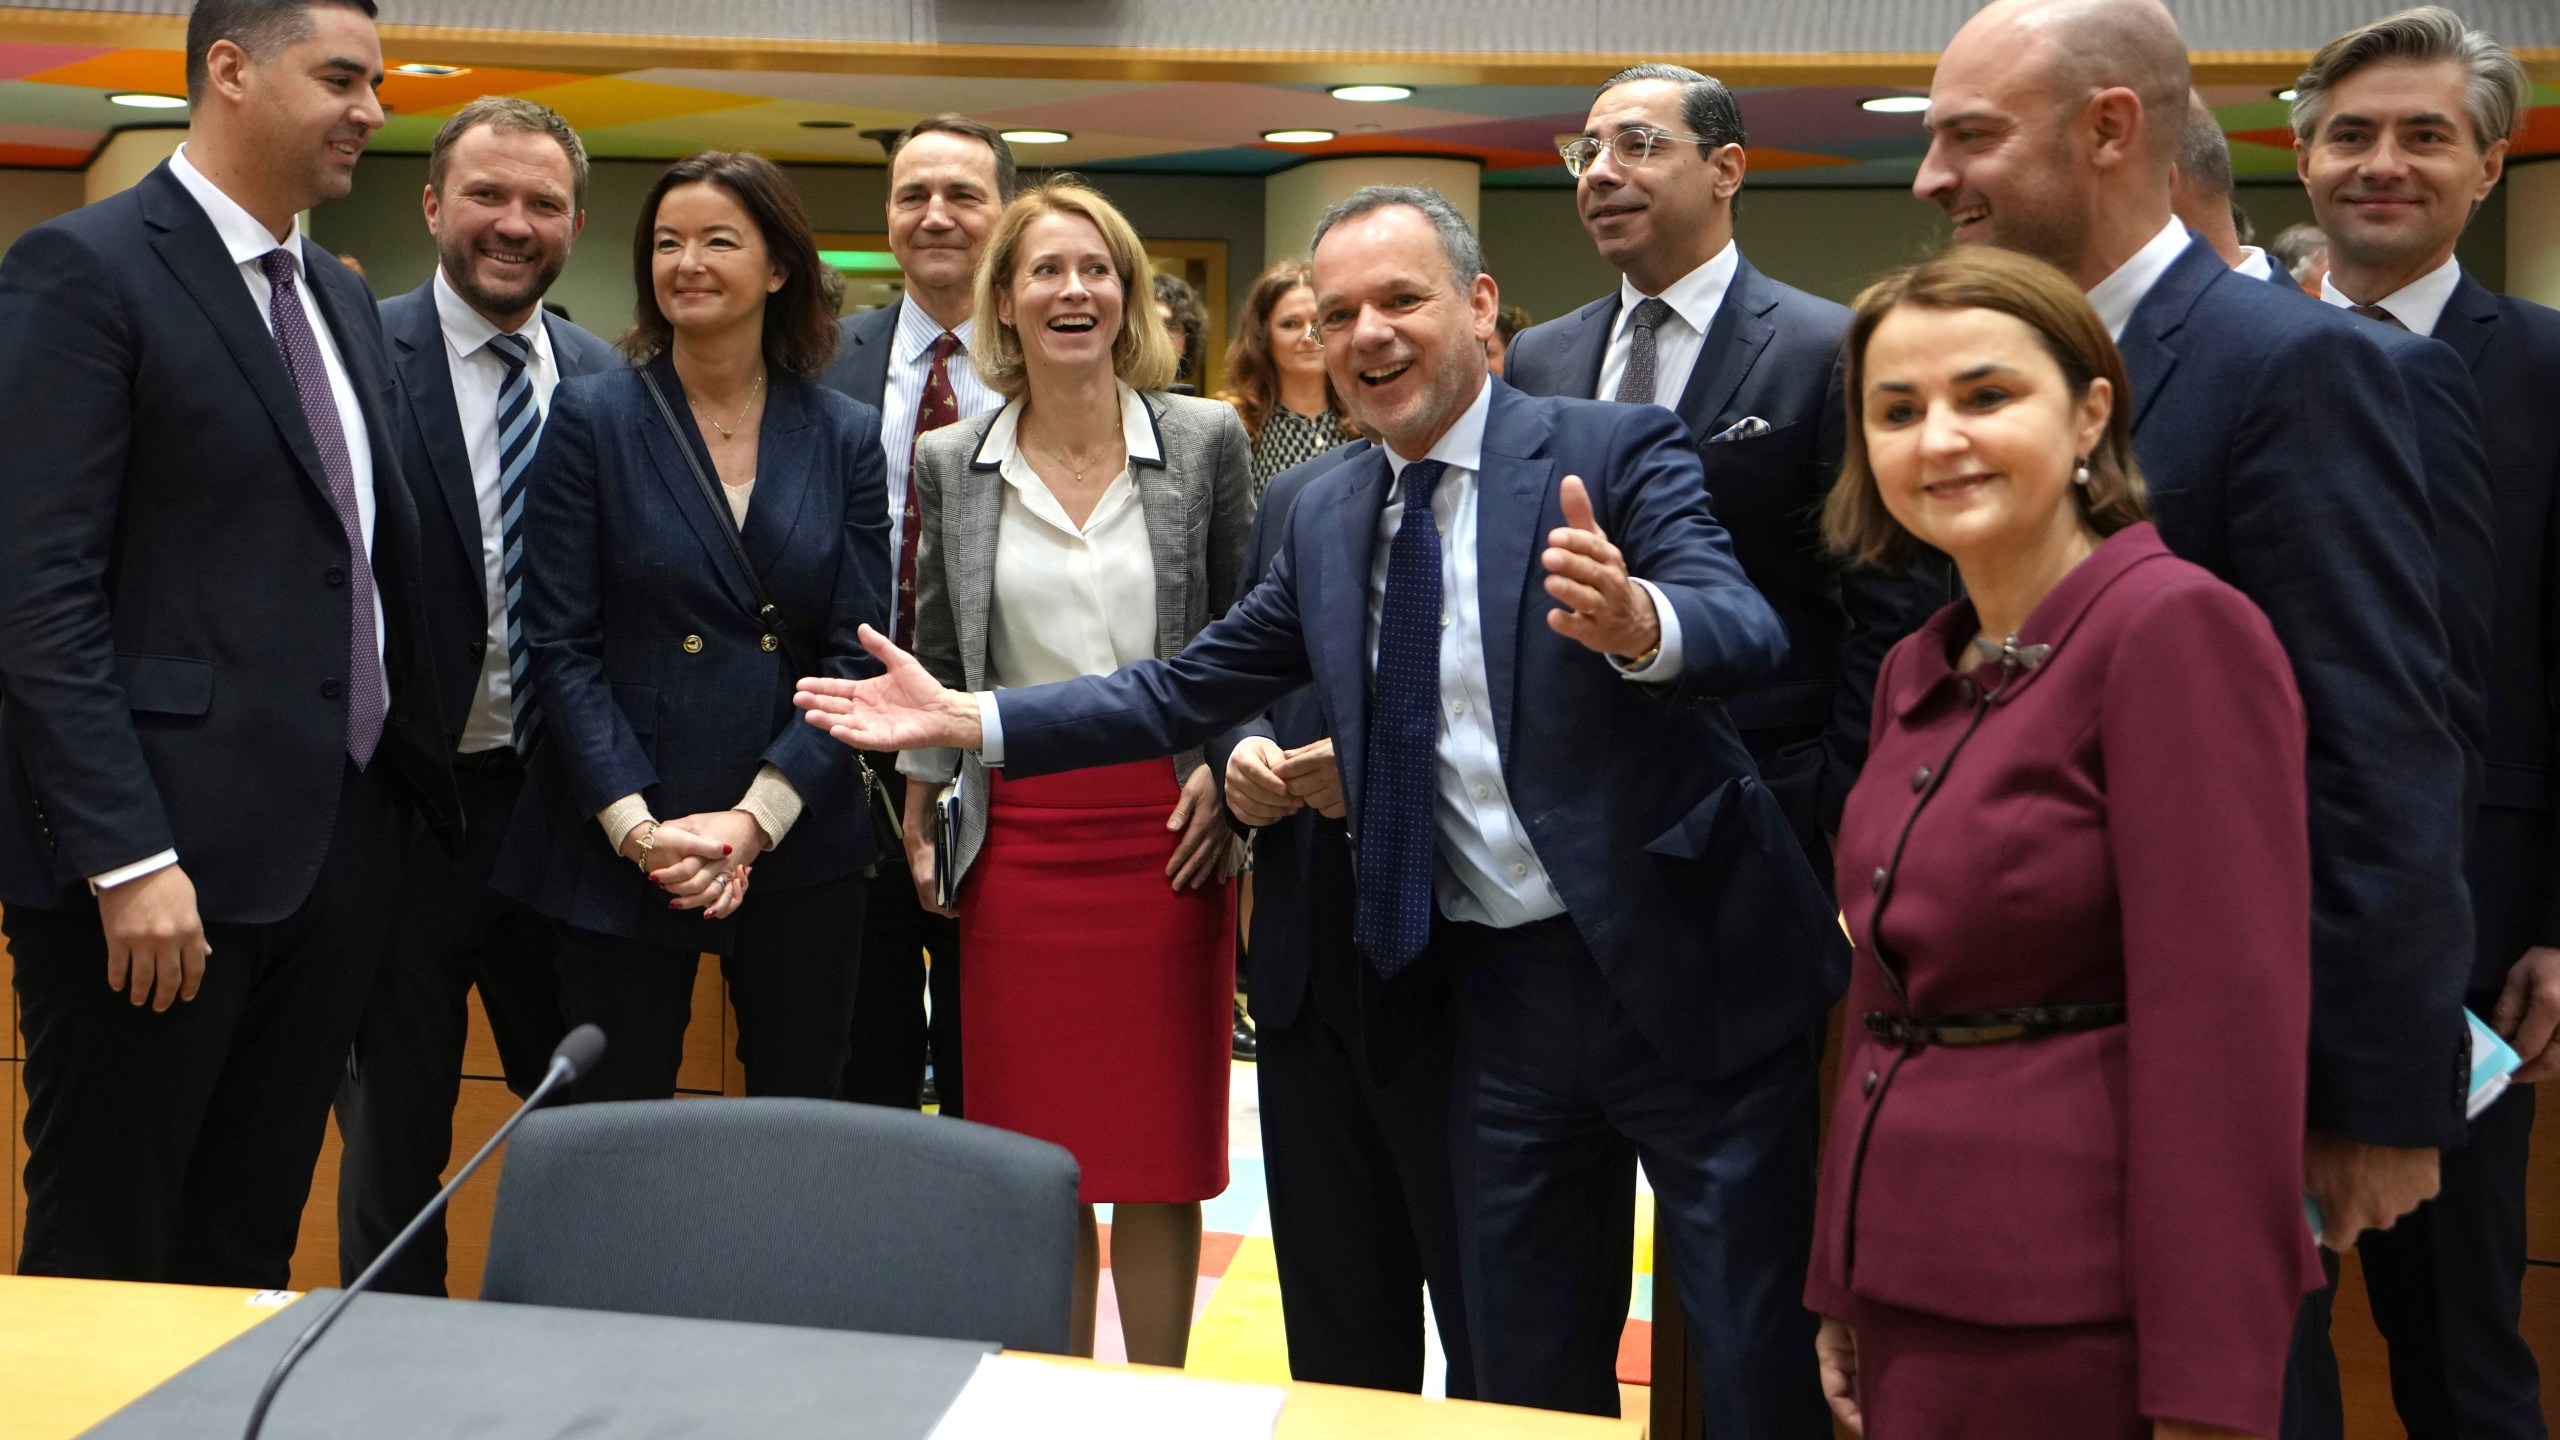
(1266, 784)
(704, 862)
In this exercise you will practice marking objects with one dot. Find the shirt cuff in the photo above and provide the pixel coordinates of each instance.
(990, 731)
(110, 879)
(1665, 664)
(772, 803)
(619, 817)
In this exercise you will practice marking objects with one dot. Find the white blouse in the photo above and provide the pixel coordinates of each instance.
(1068, 600)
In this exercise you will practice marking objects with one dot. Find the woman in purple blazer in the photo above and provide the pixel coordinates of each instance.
(2062, 1193)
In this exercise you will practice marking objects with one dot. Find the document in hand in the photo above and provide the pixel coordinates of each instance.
(2493, 1062)
(946, 843)
(1014, 1395)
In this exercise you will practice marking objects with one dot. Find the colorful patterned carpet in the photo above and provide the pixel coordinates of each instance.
(1236, 1332)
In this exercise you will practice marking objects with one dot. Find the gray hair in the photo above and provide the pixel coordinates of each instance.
(2295, 246)
(1457, 241)
(509, 115)
(2204, 153)
(2495, 100)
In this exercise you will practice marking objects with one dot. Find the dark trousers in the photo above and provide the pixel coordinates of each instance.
(178, 1145)
(1357, 1170)
(395, 1104)
(891, 1038)
(1555, 1084)
(791, 970)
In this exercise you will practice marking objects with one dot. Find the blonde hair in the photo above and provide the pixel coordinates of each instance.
(1141, 354)
(1855, 522)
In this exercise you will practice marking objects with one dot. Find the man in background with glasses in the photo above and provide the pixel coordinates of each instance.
(1749, 366)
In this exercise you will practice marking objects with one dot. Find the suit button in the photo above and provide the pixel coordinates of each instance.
(1876, 881)
(1920, 778)
(769, 644)
(333, 577)
(1871, 1082)
(331, 689)
(479, 649)
(693, 644)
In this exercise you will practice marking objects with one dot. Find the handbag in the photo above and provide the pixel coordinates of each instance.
(768, 614)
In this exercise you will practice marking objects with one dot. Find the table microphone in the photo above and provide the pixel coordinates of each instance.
(578, 1054)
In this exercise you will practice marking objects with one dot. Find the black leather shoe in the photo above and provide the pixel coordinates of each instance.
(1246, 1046)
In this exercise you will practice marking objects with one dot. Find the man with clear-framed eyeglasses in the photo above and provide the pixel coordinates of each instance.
(1748, 364)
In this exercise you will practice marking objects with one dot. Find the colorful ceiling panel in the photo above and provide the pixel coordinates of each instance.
(54, 112)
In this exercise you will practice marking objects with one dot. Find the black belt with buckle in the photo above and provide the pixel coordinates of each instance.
(1991, 1027)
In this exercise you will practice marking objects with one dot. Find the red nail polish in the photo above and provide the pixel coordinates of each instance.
(724, 850)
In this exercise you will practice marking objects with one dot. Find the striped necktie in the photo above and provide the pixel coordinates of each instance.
(519, 430)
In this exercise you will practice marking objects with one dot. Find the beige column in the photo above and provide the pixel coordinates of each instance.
(127, 156)
(2533, 232)
(1294, 199)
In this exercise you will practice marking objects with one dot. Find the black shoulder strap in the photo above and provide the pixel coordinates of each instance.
(767, 613)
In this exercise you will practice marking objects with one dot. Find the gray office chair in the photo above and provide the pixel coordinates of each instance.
(789, 1212)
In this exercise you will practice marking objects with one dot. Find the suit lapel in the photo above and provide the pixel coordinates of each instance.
(188, 244)
(2148, 344)
(972, 510)
(2470, 319)
(1511, 526)
(1731, 346)
(784, 450)
(419, 341)
(667, 451)
(1162, 501)
(1586, 346)
(1336, 608)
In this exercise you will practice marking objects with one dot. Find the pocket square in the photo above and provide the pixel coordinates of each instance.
(1749, 427)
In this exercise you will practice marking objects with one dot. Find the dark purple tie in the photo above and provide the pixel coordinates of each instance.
(301, 352)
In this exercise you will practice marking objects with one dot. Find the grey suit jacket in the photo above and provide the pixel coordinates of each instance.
(1198, 502)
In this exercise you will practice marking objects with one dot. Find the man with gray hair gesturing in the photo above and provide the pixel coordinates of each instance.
(1516, 615)
(2402, 128)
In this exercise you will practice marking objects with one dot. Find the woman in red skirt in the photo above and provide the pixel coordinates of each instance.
(1092, 522)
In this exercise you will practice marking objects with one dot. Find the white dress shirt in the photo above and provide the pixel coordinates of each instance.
(249, 241)
(2418, 304)
(2120, 294)
(1694, 299)
(910, 361)
(478, 373)
(2255, 264)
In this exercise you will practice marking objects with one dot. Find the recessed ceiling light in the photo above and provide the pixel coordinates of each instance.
(1372, 92)
(1297, 137)
(2287, 93)
(420, 67)
(149, 102)
(1037, 137)
(826, 124)
(1895, 104)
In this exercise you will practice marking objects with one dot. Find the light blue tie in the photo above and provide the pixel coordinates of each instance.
(519, 429)
(1391, 916)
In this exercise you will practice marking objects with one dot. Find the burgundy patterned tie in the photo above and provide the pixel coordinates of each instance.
(301, 352)
(935, 408)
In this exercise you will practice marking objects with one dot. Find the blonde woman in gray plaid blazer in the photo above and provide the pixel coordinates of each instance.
(1092, 522)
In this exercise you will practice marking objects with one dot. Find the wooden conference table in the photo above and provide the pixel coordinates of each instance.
(72, 1352)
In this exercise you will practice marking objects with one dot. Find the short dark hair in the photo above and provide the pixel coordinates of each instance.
(1706, 107)
(978, 130)
(799, 319)
(261, 27)
(1189, 316)
(1510, 320)
(509, 115)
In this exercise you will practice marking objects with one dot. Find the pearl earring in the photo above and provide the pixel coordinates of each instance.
(2080, 474)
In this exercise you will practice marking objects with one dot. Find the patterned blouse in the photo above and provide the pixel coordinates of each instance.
(1289, 438)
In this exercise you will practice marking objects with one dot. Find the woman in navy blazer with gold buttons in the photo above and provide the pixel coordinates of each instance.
(669, 766)
(2062, 1193)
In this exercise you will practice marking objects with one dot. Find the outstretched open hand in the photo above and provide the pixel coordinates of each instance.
(902, 709)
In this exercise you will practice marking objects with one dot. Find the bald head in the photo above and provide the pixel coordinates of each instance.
(2055, 127)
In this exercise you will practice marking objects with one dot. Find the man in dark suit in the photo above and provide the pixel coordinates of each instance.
(2286, 453)
(2200, 195)
(220, 728)
(1751, 367)
(1551, 811)
(2403, 127)
(478, 358)
(949, 178)
(1354, 1135)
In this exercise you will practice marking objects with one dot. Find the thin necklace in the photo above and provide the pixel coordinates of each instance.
(730, 430)
(1069, 461)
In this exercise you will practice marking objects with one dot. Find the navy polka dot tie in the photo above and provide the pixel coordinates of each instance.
(1393, 919)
